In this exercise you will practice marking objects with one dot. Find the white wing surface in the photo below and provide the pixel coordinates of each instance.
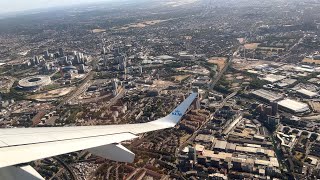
(18, 146)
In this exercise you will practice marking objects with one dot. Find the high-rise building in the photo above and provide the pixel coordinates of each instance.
(122, 60)
(268, 110)
(46, 68)
(36, 60)
(61, 53)
(105, 61)
(116, 51)
(82, 68)
(46, 54)
(115, 86)
(103, 50)
(63, 60)
(81, 55)
(275, 108)
(125, 74)
(32, 62)
(78, 58)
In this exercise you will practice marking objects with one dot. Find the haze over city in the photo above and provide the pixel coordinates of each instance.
(22, 5)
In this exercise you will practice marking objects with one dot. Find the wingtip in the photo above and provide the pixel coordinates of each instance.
(176, 115)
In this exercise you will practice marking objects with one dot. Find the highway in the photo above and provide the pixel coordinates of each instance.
(115, 99)
(84, 85)
(217, 78)
(73, 176)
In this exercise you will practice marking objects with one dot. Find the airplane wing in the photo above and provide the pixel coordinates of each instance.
(22, 145)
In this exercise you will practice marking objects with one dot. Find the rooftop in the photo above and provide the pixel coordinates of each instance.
(293, 105)
(307, 92)
(273, 78)
(268, 95)
(220, 144)
(204, 138)
(199, 148)
(220, 155)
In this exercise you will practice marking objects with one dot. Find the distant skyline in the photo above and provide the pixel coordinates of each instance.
(11, 6)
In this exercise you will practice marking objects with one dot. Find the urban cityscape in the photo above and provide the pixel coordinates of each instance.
(255, 65)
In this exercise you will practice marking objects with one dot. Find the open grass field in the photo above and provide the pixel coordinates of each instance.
(142, 24)
(251, 45)
(219, 61)
(180, 78)
(53, 94)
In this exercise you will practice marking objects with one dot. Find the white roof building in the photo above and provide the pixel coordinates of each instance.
(294, 106)
(307, 93)
(272, 78)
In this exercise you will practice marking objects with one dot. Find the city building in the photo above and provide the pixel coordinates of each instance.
(293, 106)
(267, 96)
(306, 93)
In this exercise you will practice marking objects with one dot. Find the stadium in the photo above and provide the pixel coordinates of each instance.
(34, 82)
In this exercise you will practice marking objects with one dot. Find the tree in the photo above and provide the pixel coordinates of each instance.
(257, 83)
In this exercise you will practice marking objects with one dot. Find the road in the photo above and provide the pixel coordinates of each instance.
(191, 138)
(115, 99)
(108, 172)
(73, 176)
(83, 87)
(85, 84)
(217, 78)
(231, 125)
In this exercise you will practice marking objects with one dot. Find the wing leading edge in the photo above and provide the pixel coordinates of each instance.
(23, 145)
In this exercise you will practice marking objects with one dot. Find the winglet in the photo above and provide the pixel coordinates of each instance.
(175, 116)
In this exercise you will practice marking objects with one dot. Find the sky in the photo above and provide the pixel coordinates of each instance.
(11, 6)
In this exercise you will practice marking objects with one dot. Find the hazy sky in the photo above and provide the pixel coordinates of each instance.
(22, 5)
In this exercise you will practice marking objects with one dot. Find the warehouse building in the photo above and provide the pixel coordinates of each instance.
(307, 93)
(272, 78)
(267, 96)
(293, 106)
